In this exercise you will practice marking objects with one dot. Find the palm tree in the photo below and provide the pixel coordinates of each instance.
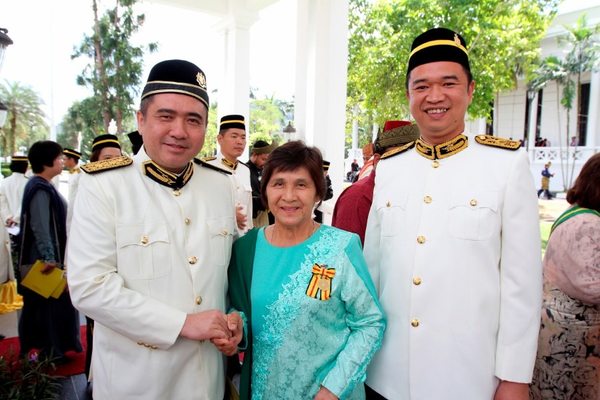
(25, 117)
(583, 55)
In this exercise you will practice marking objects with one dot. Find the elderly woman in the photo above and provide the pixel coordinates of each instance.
(47, 324)
(313, 319)
(568, 358)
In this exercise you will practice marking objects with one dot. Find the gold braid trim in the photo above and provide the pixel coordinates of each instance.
(106, 165)
(494, 141)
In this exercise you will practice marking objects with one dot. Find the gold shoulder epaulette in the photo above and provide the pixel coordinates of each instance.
(106, 165)
(203, 163)
(397, 150)
(207, 159)
(494, 141)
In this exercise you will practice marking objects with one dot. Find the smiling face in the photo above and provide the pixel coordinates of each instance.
(291, 197)
(173, 127)
(232, 143)
(439, 94)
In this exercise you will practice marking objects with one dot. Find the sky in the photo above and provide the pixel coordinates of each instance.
(45, 32)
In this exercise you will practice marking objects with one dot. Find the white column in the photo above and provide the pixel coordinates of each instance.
(593, 127)
(321, 70)
(233, 96)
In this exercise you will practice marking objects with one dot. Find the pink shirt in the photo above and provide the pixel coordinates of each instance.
(572, 260)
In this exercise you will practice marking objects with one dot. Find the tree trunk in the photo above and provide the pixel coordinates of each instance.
(102, 91)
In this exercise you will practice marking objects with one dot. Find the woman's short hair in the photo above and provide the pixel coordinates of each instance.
(42, 154)
(586, 190)
(290, 157)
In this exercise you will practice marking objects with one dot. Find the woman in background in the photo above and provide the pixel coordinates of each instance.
(313, 318)
(49, 325)
(568, 358)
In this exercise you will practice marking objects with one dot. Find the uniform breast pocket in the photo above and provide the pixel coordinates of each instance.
(221, 232)
(144, 251)
(474, 216)
(392, 214)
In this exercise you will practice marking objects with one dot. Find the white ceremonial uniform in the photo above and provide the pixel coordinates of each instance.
(11, 196)
(453, 246)
(141, 256)
(240, 179)
(74, 175)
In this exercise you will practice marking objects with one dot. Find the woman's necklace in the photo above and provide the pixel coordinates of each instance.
(315, 226)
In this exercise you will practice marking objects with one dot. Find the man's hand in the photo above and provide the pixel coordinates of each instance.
(10, 222)
(240, 217)
(235, 325)
(48, 267)
(205, 325)
(325, 394)
(512, 391)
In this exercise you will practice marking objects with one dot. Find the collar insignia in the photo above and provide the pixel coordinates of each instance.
(166, 178)
(442, 150)
(229, 164)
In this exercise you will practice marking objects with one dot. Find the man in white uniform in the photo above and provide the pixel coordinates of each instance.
(232, 142)
(72, 158)
(453, 246)
(149, 249)
(11, 191)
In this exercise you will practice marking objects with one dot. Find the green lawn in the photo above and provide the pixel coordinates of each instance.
(545, 231)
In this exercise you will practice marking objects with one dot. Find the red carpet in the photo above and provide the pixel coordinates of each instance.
(9, 347)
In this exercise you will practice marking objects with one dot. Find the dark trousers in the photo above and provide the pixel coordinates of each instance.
(546, 193)
(89, 337)
(370, 394)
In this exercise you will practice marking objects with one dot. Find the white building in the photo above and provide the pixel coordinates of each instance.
(543, 117)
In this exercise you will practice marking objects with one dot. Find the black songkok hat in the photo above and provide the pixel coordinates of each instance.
(438, 44)
(19, 159)
(72, 153)
(103, 141)
(177, 76)
(136, 141)
(232, 121)
(262, 147)
(326, 165)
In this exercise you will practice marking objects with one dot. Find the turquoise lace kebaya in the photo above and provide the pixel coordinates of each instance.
(302, 342)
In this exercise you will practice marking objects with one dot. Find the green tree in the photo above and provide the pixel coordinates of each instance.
(25, 122)
(266, 119)
(115, 74)
(82, 122)
(210, 140)
(583, 55)
(502, 35)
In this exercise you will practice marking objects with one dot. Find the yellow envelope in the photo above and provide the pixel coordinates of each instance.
(59, 289)
(43, 284)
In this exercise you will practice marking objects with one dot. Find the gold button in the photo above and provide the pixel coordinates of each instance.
(224, 232)
(140, 343)
(153, 347)
(417, 280)
(435, 164)
(427, 199)
(473, 202)
(199, 300)
(176, 193)
(187, 221)
(192, 259)
(420, 239)
(388, 204)
(414, 323)
(145, 239)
